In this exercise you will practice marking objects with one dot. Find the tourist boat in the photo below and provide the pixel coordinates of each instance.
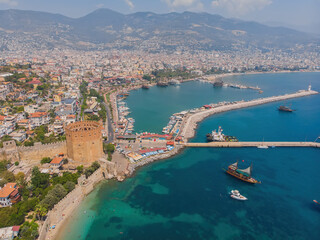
(242, 174)
(145, 87)
(218, 136)
(236, 195)
(285, 109)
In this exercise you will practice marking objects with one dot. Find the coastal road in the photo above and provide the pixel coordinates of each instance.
(109, 122)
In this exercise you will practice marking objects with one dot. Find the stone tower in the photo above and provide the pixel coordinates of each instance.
(84, 141)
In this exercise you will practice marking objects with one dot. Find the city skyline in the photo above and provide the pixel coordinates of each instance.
(294, 14)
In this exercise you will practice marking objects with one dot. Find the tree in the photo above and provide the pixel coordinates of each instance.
(147, 77)
(41, 211)
(38, 179)
(45, 160)
(29, 231)
(16, 163)
(9, 176)
(110, 148)
(69, 186)
(80, 169)
(20, 178)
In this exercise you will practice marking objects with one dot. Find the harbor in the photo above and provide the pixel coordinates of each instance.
(201, 169)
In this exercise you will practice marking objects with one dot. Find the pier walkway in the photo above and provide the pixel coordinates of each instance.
(252, 144)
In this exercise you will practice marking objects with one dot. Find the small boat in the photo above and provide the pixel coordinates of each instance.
(260, 91)
(315, 201)
(236, 195)
(285, 109)
(263, 146)
(145, 87)
(242, 174)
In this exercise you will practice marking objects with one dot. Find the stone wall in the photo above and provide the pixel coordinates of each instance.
(32, 154)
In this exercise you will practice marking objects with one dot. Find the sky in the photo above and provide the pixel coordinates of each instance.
(303, 14)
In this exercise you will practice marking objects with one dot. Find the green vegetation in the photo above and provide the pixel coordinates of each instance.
(29, 231)
(45, 160)
(89, 171)
(147, 77)
(109, 148)
(41, 136)
(40, 196)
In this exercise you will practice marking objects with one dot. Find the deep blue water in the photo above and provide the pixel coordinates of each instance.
(186, 197)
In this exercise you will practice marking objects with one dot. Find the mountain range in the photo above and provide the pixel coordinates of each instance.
(105, 29)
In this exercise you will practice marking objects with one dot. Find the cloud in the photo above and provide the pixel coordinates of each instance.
(130, 4)
(240, 7)
(189, 4)
(9, 2)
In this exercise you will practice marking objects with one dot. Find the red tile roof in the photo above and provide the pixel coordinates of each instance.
(56, 160)
(7, 190)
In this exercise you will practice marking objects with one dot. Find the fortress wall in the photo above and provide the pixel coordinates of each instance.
(39, 151)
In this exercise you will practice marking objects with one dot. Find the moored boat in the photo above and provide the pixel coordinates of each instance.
(242, 174)
(236, 195)
(145, 87)
(285, 109)
(218, 136)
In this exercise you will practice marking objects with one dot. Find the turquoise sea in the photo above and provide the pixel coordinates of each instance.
(186, 196)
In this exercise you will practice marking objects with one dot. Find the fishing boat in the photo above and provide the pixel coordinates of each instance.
(242, 174)
(236, 195)
(285, 109)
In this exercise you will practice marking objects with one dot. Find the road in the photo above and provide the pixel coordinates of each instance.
(109, 122)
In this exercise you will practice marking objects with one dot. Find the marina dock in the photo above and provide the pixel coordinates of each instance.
(252, 144)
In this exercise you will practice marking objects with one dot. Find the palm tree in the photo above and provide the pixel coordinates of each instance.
(41, 211)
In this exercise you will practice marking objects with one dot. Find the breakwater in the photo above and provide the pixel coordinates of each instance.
(190, 123)
(253, 144)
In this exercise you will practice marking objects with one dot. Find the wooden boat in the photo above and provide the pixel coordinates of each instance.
(242, 174)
